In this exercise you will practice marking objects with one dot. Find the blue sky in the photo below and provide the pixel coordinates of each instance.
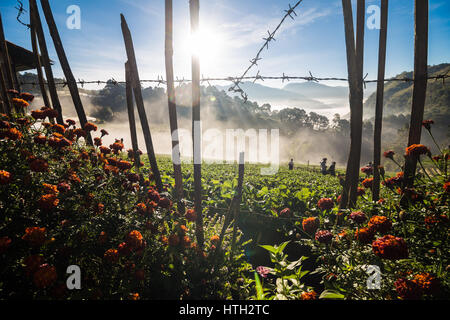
(233, 32)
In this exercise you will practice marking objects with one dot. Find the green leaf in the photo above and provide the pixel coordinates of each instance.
(259, 288)
(282, 246)
(269, 248)
(330, 294)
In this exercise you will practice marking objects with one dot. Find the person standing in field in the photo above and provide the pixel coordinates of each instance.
(291, 164)
(332, 169)
(323, 166)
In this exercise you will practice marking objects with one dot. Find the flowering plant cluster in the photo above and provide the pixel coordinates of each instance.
(66, 203)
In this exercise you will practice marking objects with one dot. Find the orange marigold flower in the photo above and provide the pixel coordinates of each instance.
(133, 296)
(214, 239)
(70, 122)
(141, 208)
(98, 142)
(389, 154)
(23, 121)
(408, 289)
(45, 276)
(153, 195)
(367, 170)
(59, 128)
(104, 132)
(105, 150)
(417, 150)
(20, 103)
(89, 126)
(390, 247)
(26, 96)
(308, 295)
(5, 177)
(447, 187)
(310, 225)
(427, 282)
(165, 203)
(358, 216)
(4, 244)
(40, 139)
(74, 178)
(380, 224)
(111, 255)
(48, 201)
(102, 237)
(49, 112)
(360, 192)
(124, 165)
(134, 239)
(186, 241)
(124, 249)
(4, 124)
(99, 208)
(14, 134)
(117, 146)
(50, 188)
(79, 133)
(324, 236)
(191, 215)
(38, 114)
(35, 236)
(364, 235)
(325, 203)
(367, 183)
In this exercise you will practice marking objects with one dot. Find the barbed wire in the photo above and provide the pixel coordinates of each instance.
(21, 11)
(310, 78)
(254, 62)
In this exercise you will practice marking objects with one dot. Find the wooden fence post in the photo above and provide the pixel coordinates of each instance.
(235, 202)
(355, 69)
(37, 59)
(176, 160)
(131, 118)
(238, 197)
(420, 85)
(140, 102)
(71, 82)
(36, 23)
(194, 6)
(379, 101)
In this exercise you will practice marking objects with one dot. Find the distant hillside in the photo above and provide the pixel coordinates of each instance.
(398, 97)
(314, 90)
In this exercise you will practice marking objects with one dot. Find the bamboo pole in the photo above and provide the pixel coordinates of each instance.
(131, 118)
(355, 62)
(36, 22)
(71, 82)
(140, 102)
(379, 100)
(4, 56)
(238, 199)
(194, 6)
(420, 85)
(37, 60)
(173, 107)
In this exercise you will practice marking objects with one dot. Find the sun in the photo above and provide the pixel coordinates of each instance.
(207, 43)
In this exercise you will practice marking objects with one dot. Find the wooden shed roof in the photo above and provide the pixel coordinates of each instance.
(22, 58)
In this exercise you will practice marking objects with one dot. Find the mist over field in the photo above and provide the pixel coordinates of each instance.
(312, 119)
